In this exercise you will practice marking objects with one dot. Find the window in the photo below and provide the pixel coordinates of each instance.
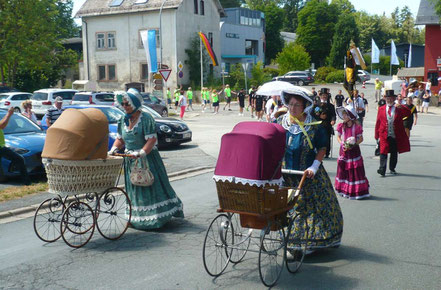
(202, 7)
(433, 77)
(116, 3)
(195, 6)
(107, 72)
(141, 1)
(105, 40)
(158, 39)
(251, 47)
(144, 71)
(210, 38)
(242, 20)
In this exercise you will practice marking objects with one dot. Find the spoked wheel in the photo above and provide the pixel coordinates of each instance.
(216, 253)
(242, 240)
(113, 213)
(271, 255)
(47, 219)
(296, 243)
(77, 224)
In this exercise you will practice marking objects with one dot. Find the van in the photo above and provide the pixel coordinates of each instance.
(44, 99)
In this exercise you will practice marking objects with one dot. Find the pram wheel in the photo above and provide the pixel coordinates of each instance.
(296, 243)
(47, 219)
(216, 253)
(271, 255)
(113, 213)
(242, 240)
(77, 224)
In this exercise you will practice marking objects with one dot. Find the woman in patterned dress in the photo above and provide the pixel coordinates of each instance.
(305, 149)
(152, 206)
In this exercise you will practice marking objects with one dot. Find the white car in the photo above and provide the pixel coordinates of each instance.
(93, 98)
(44, 99)
(13, 99)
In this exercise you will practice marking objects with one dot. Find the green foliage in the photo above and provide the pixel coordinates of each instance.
(237, 77)
(256, 4)
(193, 61)
(273, 72)
(293, 57)
(316, 28)
(65, 23)
(335, 77)
(344, 6)
(291, 9)
(437, 6)
(384, 66)
(258, 75)
(345, 31)
(230, 3)
(322, 73)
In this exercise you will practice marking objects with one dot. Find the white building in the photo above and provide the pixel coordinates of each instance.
(113, 56)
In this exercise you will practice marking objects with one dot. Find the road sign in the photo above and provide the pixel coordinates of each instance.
(180, 66)
(157, 76)
(181, 74)
(157, 84)
(245, 66)
(165, 73)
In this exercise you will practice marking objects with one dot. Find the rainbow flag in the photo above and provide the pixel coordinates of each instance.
(208, 47)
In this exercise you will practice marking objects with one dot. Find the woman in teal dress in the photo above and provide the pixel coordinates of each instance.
(152, 206)
(306, 147)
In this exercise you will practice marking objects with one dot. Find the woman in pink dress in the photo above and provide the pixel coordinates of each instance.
(403, 89)
(350, 181)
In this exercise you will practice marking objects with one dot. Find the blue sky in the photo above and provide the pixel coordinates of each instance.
(370, 6)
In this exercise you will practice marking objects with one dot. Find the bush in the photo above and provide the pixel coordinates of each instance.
(273, 72)
(293, 57)
(336, 76)
(322, 73)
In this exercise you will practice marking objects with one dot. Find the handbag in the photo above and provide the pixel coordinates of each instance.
(141, 176)
(377, 149)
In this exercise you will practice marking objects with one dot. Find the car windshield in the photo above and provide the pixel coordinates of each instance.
(39, 96)
(81, 98)
(151, 112)
(112, 114)
(3, 97)
(19, 124)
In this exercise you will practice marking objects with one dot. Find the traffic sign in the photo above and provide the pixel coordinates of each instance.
(181, 74)
(165, 73)
(157, 76)
(180, 66)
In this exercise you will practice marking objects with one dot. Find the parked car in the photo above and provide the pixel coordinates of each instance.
(300, 78)
(27, 139)
(6, 89)
(93, 98)
(311, 71)
(155, 103)
(43, 99)
(363, 76)
(13, 99)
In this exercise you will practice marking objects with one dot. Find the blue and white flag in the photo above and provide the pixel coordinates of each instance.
(409, 60)
(149, 42)
(375, 53)
(393, 54)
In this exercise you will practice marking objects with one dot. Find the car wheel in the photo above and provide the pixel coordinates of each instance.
(294, 83)
(301, 83)
(17, 110)
(164, 113)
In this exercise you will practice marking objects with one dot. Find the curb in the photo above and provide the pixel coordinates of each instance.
(32, 208)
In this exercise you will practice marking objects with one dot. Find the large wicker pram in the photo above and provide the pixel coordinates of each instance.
(84, 181)
(249, 186)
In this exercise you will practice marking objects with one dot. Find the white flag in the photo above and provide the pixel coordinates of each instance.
(409, 60)
(375, 53)
(393, 54)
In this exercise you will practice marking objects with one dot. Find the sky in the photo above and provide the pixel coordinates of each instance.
(370, 6)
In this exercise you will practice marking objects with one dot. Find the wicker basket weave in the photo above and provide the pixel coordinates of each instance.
(251, 198)
(66, 177)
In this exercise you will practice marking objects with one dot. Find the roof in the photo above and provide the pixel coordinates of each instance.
(101, 7)
(410, 72)
(426, 14)
(72, 40)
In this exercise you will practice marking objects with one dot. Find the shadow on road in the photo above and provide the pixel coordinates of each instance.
(419, 175)
(180, 147)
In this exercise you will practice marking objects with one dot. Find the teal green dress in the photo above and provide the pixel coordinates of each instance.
(152, 206)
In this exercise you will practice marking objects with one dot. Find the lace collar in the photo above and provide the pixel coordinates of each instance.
(126, 128)
(295, 128)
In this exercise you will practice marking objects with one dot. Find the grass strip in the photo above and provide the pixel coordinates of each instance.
(15, 192)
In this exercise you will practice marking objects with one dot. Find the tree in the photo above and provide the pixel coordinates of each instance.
(293, 57)
(316, 29)
(258, 4)
(230, 3)
(345, 30)
(437, 6)
(65, 23)
(194, 61)
(344, 6)
(291, 8)
(258, 75)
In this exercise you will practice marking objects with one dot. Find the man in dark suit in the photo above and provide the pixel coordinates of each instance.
(324, 110)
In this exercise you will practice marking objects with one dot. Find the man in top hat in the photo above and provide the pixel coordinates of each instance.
(389, 129)
(325, 111)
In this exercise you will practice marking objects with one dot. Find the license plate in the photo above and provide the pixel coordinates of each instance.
(186, 135)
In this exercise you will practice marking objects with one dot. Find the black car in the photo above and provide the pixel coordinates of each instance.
(5, 89)
(170, 131)
(300, 78)
(156, 104)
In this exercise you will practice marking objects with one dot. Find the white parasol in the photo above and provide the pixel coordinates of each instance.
(274, 88)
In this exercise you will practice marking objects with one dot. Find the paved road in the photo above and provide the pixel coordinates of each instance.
(390, 241)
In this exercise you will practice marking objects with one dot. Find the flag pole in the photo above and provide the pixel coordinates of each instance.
(202, 66)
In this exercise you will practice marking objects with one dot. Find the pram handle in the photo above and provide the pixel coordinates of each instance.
(299, 187)
(122, 155)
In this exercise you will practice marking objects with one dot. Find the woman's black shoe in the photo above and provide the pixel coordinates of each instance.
(381, 172)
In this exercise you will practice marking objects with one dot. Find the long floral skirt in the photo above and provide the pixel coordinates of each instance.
(319, 220)
(152, 206)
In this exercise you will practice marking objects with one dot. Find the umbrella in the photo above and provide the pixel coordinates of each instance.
(274, 88)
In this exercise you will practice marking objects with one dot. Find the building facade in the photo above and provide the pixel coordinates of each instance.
(113, 54)
(242, 37)
(432, 63)
(417, 58)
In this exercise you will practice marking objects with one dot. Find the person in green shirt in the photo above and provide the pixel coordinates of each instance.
(190, 99)
(378, 86)
(228, 92)
(176, 94)
(5, 152)
(215, 98)
(169, 98)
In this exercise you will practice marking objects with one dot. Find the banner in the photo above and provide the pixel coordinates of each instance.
(375, 53)
(358, 58)
(393, 54)
(149, 42)
(208, 47)
(409, 60)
